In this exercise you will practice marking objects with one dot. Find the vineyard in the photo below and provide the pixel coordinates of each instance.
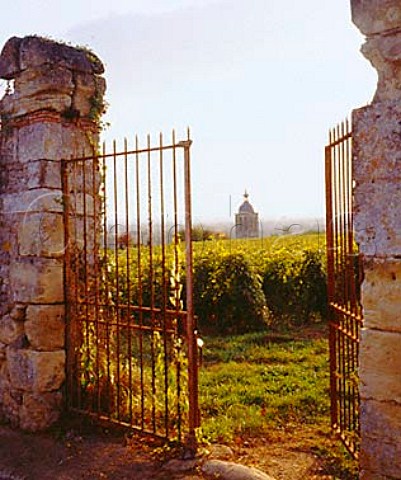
(133, 363)
(239, 285)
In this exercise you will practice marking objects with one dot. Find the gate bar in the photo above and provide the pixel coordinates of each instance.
(191, 327)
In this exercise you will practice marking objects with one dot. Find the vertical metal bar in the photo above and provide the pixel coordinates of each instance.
(349, 273)
(151, 285)
(84, 301)
(191, 328)
(177, 325)
(77, 323)
(330, 279)
(344, 281)
(164, 288)
(128, 280)
(106, 279)
(96, 273)
(117, 281)
(67, 286)
(353, 300)
(139, 271)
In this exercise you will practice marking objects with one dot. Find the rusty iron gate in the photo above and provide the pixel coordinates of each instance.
(344, 276)
(131, 337)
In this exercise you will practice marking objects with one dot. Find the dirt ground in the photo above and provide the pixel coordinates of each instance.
(70, 453)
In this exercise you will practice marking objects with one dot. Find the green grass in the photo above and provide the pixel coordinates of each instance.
(257, 384)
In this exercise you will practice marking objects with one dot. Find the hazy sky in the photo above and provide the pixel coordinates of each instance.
(259, 82)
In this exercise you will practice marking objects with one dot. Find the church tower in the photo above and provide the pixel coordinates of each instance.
(246, 220)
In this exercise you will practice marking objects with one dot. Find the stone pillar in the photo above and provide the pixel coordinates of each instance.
(50, 114)
(377, 194)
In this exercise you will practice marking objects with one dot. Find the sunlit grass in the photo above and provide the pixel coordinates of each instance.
(256, 384)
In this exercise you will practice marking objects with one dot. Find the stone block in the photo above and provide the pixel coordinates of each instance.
(39, 200)
(9, 59)
(18, 312)
(45, 78)
(76, 142)
(380, 365)
(380, 458)
(9, 148)
(36, 371)
(381, 420)
(16, 105)
(41, 234)
(37, 281)
(381, 295)
(10, 330)
(40, 411)
(10, 406)
(377, 219)
(35, 51)
(376, 143)
(85, 91)
(45, 327)
(40, 141)
(374, 17)
(44, 174)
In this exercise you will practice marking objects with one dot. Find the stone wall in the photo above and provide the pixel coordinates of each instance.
(377, 172)
(52, 114)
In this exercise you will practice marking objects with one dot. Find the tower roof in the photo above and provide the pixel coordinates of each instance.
(246, 207)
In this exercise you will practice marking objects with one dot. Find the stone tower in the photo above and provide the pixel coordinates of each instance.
(246, 220)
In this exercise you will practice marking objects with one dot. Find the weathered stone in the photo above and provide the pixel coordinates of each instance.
(15, 106)
(177, 465)
(18, 312)
(382, 281)
(220, 452)
(46, 78)
(40, 141)
(380, 20)
(379, 457)
(382, 53)
(77, 143)
(38, 200)
(10, 330)
(376, 16)
(41, 234)
(84, 94)
(11, 407)
(381, 420)
(44, 174)
(232, 471)
(36, 51)
(40, 411)
(61, 84)
(9, 150)
(380, 365)
(37, 281)
(378, 235)
(3, 347)
(9, 59)
(36, 371)
(376, 143)
(45, 327)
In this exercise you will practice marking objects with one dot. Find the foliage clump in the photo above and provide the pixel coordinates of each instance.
(228, 295)
(239, 285)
